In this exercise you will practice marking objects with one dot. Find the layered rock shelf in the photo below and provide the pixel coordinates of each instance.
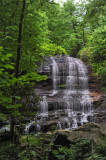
(66, 101)
(70, 97)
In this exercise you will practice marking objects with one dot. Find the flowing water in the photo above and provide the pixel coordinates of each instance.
(68, 104)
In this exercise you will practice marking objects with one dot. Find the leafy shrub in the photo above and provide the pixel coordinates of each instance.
(82, 149)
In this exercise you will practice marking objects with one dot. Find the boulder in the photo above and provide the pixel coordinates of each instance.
(62, 138)
(5, 136)
(50, 125)
(92, 131)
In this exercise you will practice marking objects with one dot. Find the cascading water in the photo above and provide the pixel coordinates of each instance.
(55, 77)
(43, 107)
(68, 104)
(76, 92)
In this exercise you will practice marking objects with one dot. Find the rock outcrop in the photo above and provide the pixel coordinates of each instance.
(92, 131)
(98, 98)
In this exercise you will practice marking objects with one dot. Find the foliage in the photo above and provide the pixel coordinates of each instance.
(31, 140)
(95, 12)
(2, 117)
(20, 59)
(62, 24)
(10, 151)
(94, 50)
(52, 49)
(5, 81)
(98, 41)
(82, 149)
(33, 147)
(23, 90)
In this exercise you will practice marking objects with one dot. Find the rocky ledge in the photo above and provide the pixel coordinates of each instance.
(92, 131)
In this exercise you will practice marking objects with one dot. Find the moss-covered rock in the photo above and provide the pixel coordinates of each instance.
(92, 131)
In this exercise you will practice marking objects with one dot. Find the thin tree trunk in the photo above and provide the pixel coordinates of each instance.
(78, 45)
(19, 40)
(17, 61)
(12, 129)
(83, 38)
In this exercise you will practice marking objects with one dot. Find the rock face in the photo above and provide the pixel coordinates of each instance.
(101, 103)
(92, 131)
(94, 85)
(98, 98)
(65, 94)
(100, 110)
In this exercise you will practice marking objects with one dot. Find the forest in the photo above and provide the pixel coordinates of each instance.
(31, 31)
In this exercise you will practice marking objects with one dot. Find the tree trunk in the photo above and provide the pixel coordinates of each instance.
(78, 45)
(12, 129)
(19, 40)
(83, 38)
(17, 62)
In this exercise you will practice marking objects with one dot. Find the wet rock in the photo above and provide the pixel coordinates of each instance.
(20, 128)
(62, 138)
(90, 118)
(56, 117)
(100, 110)
(5, 136)
(93, 82)
(92, 131)
(100, 117)
(48, 126)
(32, 128)
(79, 124)
(95, 96)
(102, 103)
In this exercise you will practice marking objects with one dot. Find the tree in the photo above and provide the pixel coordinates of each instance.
(95, 46)
(24, 34)
(63, 24)
(94, 10)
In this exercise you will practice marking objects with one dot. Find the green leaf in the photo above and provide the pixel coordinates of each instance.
(8, 66)
(55, 152)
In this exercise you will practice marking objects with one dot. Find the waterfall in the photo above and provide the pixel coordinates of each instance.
(55, 76)
(43, 107)
(68, 103)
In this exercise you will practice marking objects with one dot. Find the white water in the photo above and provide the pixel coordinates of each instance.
(43, 107)
(69, 101)
(73, 73)
(55, 77)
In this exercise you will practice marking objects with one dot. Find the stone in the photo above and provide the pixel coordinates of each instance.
(92, 131)
(32, 128)
(5, 136)
(49, 133)
(95, 96)
(62, 138)
(48, 126)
